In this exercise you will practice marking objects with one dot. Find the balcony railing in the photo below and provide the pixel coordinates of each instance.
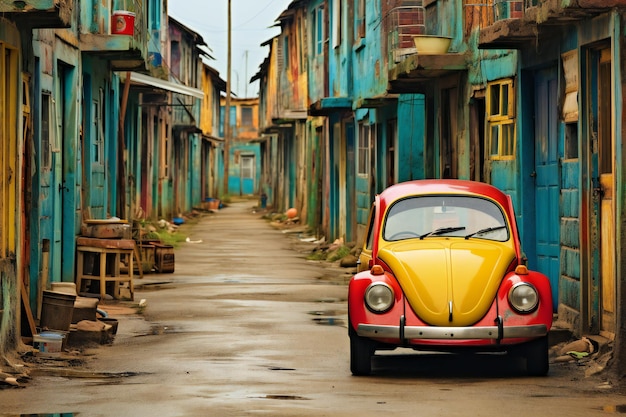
(117, 31)
(402, 24)
(516, 22)
(555, 11)
(508, 9)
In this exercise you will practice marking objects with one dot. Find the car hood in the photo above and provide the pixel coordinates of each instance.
(448, 282)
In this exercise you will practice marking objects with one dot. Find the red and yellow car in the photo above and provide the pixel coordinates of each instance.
(442, 269)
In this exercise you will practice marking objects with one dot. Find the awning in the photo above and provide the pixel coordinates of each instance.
(139, 78)
(328, 105)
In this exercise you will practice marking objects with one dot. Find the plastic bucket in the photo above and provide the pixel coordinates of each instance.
(48, 343)
(56, 311)
(122, 22)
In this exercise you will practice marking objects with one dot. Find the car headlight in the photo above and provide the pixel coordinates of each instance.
(523, 297)
(379, 297)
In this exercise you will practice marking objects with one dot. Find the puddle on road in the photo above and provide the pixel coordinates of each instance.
(326, 317)
(79, 373)
(158, 329)
(280, 368)
(328, 321)
(42, 415)
(323, 313)
(281, 397)
(236, 279)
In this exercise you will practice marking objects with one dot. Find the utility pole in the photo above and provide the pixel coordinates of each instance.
(245, 78)
(227, 132)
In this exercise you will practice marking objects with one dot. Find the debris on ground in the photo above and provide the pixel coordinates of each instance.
(593, 353)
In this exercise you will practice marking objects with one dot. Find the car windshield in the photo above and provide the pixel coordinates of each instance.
(445, 216)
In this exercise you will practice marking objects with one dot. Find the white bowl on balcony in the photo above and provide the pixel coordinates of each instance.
(431, 44)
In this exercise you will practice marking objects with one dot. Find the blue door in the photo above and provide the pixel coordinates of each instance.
(247, 174)
(547, 180)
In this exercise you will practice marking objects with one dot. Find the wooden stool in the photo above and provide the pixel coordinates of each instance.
(112, 250)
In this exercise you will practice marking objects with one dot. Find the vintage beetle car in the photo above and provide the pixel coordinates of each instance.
(442, 269)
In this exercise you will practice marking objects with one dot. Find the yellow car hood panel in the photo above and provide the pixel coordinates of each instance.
(445, 276)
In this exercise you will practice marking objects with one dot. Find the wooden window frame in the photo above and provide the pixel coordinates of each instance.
(247, 116)
(359, 20)
(501, 123)
(364, 149)
(318, 35)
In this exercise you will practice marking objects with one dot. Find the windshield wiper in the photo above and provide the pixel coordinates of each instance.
(485, 230)
(442, 230)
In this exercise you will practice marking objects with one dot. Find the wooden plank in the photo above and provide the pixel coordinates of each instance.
(28, 313)
(105, 243)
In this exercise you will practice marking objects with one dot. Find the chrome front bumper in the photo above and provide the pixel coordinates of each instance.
(451, 333)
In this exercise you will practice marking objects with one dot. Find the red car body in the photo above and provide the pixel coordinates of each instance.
(455, 279)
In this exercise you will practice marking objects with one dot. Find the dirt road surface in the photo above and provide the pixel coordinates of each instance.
(247, 326)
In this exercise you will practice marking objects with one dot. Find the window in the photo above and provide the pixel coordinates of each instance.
(154, 11)
(360, 20)
(46, 160)
(286, 53)
(365, 140)
(301, 45)
(336, 16)
(99, 121)
(318, 30)
(501, 119)
(246, 116)
(232, 119)
(175, 57)
(571, 141)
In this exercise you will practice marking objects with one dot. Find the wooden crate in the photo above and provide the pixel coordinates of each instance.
(147, 258)
(164, 258)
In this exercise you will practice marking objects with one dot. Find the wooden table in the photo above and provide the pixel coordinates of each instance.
(112, 252)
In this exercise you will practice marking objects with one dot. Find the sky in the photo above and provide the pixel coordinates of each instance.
(252, 24)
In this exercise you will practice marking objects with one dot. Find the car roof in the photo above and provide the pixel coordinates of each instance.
(443, 186)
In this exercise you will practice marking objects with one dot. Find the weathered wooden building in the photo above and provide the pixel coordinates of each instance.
(100, 117)
(21, 150)
(211, 146)
(527, 95)
(186, 69)
(244, 166)
(568, 160)
(283, 96)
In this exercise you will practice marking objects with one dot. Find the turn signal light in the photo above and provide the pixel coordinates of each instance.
(521, 270)
(377, 270)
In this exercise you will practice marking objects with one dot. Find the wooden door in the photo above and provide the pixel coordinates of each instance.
(248, 174)
(605, 194)
(547, 179)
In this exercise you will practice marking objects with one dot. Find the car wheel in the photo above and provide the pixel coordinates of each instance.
(361, 352)
(537, 357)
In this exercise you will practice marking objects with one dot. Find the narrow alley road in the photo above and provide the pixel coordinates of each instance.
(247, 326)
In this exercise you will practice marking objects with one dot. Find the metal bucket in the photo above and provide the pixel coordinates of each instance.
(56, 310)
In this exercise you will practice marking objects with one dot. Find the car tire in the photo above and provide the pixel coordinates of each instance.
(537, 357)
(361, 352)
